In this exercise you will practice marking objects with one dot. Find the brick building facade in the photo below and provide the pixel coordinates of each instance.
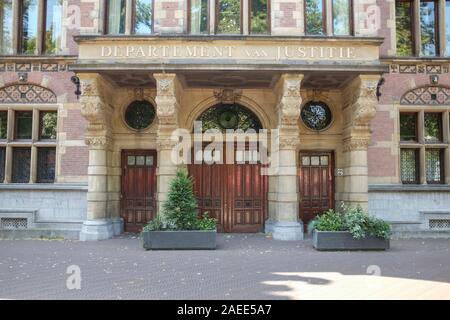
(380, 68)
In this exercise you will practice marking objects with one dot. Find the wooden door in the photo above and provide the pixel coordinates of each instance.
(234, 194)
(316, 184)
(138, 202)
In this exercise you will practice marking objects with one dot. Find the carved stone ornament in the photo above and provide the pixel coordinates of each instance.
(227, 96)
(99, 141)
(288, 142)
(353, 144)
(365, 103)
(290, 100)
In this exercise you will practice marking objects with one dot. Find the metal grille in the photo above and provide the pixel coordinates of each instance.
(439, 224)
(408, 159)
(433, 165)
(14, 223)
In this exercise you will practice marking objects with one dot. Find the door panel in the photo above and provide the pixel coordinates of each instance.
(235, 194)
(316, 184)
(138, 188)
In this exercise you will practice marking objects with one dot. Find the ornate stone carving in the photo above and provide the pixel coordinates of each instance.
(166, 99)
(290, 100)
(365, 102)
(288, 142)
(353, 144)
(227, 96)
(99, 141)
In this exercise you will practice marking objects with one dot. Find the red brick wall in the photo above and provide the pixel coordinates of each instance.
(74, 162)
(381, 162)
(74, 125)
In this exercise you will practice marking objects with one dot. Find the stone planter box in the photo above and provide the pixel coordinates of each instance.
(343, 240)
(179, 240)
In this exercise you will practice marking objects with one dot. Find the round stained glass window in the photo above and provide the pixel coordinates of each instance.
(140, 115)
(229, 116)
(316, 115)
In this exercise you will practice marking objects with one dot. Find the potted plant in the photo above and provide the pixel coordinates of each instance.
(350, 229)
(179, 227)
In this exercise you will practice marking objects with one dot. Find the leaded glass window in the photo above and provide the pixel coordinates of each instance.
(408, 127)
(342, 17)
(47, 125)
(409, 166)
(29, 26)
(2, 163)
(21, 165)
(24, 124)
(229, 16)
(434, 165)
(53, 25)
(46, 165)
(143, 16)
(259, 16)
(433, 127)
(404, 25)
(428, 28)
(3, 125)
(116, 16)
(314, 17)
(140, 115)
(316, 115)
(199, 16)
(6, 27)
(229, 116)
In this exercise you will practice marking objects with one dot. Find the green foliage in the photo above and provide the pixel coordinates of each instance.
(229, 16)
(206, 223)
(180, 210)
(354, 220)
(181, 205)
(329, 221)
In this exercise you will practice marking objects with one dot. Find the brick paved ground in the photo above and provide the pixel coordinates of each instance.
(243, 267)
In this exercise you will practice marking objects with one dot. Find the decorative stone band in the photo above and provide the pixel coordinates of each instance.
(98, 141)
(429, 95)
(26, 93)
(355, 144)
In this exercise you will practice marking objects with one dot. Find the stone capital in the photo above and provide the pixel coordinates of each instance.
(98, 142)
(356, 144)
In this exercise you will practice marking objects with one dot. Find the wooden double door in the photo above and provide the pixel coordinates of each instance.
(138, 195)
(234, 194)
(316, 184)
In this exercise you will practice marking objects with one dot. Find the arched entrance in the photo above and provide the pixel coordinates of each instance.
(228, 180)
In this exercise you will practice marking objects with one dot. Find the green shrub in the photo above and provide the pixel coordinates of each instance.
(354, 220)
(180, 210)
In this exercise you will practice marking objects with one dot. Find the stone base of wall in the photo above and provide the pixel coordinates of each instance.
(413, 211)
(42, 211)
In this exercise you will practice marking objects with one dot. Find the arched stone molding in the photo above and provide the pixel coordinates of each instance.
(427, 96)
(243, 100)
(26, 93)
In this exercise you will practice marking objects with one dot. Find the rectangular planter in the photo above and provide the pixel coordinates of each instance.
(343, 240)
(179, 240)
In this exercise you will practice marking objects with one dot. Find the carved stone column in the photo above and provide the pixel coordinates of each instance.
(283, 222)
(361, 108)
(167, 108)
(99, 224)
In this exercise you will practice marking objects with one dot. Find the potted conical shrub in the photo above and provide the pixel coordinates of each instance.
(178, 226)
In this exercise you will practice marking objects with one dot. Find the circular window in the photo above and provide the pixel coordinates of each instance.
(229, 116)
(140, 114)
(316, 115)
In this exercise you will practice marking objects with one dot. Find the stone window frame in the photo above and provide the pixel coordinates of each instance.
(441, 46)
(130, 17)
(34, 143)
(421, 145)
(40, 37)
